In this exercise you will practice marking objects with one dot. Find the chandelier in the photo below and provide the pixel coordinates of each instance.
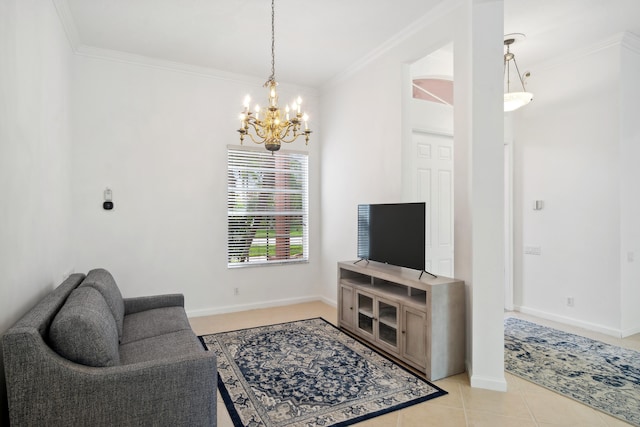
(270, 126)
(514, 100)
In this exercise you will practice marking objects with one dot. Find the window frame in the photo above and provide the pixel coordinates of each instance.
(268, 180)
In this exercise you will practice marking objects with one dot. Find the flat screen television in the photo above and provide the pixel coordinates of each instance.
(393, 234)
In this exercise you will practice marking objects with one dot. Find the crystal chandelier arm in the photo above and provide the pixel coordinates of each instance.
(296, 134)
(291, 131)
(258, 129)
(256, 141)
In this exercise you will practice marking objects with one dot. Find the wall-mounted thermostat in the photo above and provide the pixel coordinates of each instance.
(108, 200)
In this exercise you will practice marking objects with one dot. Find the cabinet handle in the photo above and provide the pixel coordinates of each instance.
(350, 308)
(403, 332)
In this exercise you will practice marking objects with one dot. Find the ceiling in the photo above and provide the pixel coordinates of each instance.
(316, 40)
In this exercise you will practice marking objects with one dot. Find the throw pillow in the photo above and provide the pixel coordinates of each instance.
(84, 330)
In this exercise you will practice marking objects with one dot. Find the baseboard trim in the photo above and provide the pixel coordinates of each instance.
(265, 304)
(574, 322)
(488, 383)
(629, 332)
(333, 303)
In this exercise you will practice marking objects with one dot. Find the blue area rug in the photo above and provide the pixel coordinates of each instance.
(600, 375)
(309, 373)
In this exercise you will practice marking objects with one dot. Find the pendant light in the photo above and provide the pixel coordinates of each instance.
(514, 100)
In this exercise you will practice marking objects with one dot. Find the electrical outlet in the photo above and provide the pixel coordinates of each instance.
(236, 291)
(570, 302)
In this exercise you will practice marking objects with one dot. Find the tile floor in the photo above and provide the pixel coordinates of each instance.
(523, 405)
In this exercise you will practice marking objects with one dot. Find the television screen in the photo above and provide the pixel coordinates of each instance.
(392, 234)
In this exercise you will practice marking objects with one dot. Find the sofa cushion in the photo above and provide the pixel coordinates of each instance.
(84, 330)
(180, 343)
(157, 321)
(101, 280)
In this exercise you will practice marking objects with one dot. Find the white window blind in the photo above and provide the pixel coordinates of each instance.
(267, 206)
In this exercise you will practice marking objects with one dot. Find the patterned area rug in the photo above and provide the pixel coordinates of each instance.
(602, 376)
(309, 373)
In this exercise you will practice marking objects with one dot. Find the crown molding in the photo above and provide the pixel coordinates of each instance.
(146, 61)
(163, 64)
(632, 42)
(627, 40)
(68, 23)
(438, 12)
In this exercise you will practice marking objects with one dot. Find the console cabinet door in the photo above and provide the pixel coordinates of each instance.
(365, 316)
(377, 320)
(346, 306)
(387, 322)
(414, 337)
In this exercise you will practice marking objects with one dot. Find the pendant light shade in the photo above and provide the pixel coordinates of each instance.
(515, 100)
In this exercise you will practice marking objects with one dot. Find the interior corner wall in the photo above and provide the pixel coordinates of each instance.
(158, 137)
(35, 197)
(362, 142)
(566, 145)
(629, 179)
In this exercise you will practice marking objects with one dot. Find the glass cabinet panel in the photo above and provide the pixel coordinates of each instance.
(388, 323)
(365, 313)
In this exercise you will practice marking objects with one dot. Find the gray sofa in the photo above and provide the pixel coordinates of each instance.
(84, 356)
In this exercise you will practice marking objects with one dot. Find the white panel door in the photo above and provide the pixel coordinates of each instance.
(433, 177)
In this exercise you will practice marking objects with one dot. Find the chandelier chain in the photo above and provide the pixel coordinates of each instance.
(273, 41)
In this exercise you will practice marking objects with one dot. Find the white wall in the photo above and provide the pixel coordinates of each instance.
(157, 137)
(35, 201)
(629, 179)
(571, 149)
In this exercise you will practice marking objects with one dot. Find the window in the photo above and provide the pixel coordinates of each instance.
(267, 206)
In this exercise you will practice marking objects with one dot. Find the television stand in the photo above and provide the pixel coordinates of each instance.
(361, 259)
(418, 322)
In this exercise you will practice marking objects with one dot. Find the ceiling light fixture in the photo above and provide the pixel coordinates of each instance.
(270, 126)
(514, 100)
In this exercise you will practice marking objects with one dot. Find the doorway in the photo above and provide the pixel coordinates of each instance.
(428, 153)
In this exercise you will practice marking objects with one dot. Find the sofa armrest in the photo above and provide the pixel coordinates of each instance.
(44, 388)
(135, 305)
